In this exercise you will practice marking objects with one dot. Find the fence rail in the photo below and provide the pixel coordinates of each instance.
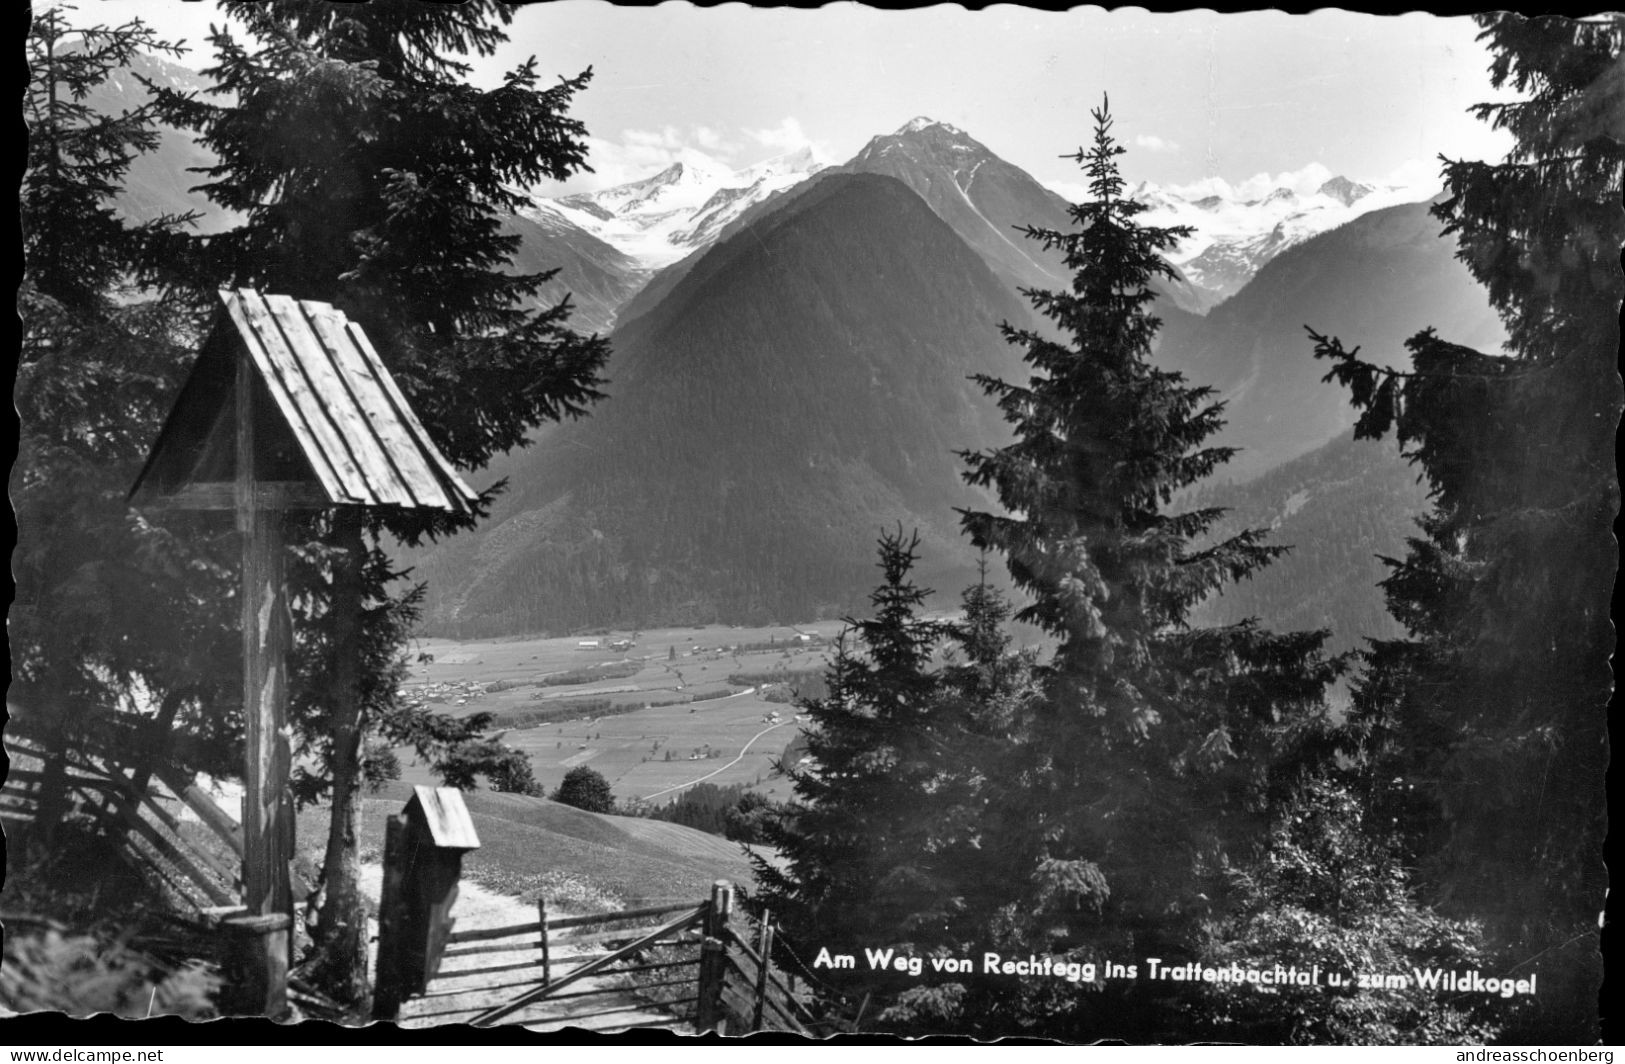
(112, 776)
(679, 964)
(769, 989)
(95, 779)
(632, 950)
(692, 967)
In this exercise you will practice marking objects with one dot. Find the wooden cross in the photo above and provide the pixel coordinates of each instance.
(288, 407)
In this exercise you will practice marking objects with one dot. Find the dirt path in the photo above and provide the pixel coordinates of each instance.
(455, 998)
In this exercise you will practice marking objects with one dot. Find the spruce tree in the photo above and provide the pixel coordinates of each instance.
(1152, 751)
(1484, 733)
(903, 831)
(859, 867)
(114, 619)
(371, 175)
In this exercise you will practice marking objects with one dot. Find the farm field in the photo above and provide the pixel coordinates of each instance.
(713, 730)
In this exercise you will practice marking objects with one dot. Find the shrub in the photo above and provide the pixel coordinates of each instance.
(513, 775)
(84, 975)
(1330, 891)
(585, 788)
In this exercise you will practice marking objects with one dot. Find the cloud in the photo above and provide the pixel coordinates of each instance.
(1420, 176)
(1071, 191)
(1304, 182)
(1152, 142)
(637, 153)
(715, 142)
(786, 136)
(1207, 186)
(667, 138)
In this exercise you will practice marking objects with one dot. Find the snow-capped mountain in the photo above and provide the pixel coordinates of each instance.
(659, 219)
(987, 201)
(1238, 231)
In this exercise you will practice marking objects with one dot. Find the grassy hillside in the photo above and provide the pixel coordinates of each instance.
(532, 846)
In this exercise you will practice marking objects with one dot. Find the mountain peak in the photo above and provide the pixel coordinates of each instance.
(1345, 191)
(803, 160)
(921, 123)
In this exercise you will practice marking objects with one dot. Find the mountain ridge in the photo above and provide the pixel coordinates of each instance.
(805, 388)
(1375, 281)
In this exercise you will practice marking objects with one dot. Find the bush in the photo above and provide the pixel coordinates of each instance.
(745, 821)
(513, 775)
(1331, 892)
(585, 788)
(83, 975)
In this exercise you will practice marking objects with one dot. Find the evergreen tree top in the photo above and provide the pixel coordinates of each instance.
(370, 174)
(405, 38)
(1104, 439)
(76, 244)
(1542, 229)
(1113, 258)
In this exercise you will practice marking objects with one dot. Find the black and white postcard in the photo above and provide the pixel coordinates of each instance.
(845, 522)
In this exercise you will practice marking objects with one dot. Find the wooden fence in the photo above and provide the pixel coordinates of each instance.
(683, 965)
(696, 965)
(198, 864)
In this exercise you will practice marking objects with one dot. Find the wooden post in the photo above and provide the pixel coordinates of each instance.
(541, 914)
(423, 856)
(267, 811)
(714, 959)
(764, 950)
(438, 880)
(258, 963)
(389, 987)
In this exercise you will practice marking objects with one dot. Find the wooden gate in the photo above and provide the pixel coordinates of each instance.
(680, 966)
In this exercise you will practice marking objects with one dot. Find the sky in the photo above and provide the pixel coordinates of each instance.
(1254, 99)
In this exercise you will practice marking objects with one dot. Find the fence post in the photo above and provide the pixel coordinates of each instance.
(423, 860)
(541, 914)
(714, 959)
(388, 984)
(764, 950)
(257, 963)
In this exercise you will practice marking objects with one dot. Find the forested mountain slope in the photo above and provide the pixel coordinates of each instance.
(1338, 508)
(803, 388)
(1374, 282)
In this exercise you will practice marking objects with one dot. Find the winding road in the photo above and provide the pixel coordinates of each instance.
(742, 752)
